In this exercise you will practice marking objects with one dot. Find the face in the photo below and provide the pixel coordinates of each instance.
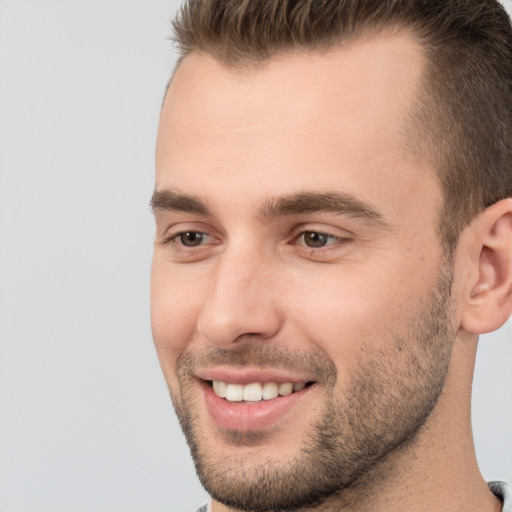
(299, 290)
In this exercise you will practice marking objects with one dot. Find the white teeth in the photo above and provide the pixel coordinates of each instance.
(220, 388)
(270, 390)
(255, 392)
(235, 392)
(285, 389)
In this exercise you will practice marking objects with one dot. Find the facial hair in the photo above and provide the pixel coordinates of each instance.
(392, 392)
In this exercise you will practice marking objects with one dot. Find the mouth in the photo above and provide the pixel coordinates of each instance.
(252, 402)
(255, 392)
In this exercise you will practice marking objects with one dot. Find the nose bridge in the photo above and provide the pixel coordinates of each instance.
(239, 301)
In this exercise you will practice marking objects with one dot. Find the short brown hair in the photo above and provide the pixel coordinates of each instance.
(463, 120)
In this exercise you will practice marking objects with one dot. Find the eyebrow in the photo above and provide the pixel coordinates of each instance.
(171, 200)
(339, 203)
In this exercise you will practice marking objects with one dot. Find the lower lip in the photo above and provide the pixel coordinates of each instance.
(245, 417)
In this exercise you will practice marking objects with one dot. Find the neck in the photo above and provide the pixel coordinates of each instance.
(437, 470)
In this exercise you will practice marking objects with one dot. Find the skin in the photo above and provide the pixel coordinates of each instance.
(252, 294)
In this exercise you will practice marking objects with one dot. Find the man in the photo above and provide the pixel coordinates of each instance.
(333, 211)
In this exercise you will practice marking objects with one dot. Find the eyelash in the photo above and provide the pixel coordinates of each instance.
(176, 240)
(336, 240)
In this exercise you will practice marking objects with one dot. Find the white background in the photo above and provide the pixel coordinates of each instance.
(85, 420)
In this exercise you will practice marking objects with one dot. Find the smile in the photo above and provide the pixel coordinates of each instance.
(255, 391)
(252, 402)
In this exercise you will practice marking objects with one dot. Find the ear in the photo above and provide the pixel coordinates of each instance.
(489, 303)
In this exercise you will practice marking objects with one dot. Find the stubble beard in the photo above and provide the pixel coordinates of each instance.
(391, 395)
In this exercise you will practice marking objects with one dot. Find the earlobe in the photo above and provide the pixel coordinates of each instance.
(489, 304)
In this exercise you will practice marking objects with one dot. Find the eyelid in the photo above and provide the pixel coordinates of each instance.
(339, 246)
(333, 244)
(169, 229)
(322, 233)
(322, 229)
(171, 234)
(174, 237)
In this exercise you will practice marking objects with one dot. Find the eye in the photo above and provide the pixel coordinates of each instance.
(316, 239)
(192, 238)
(184, 244)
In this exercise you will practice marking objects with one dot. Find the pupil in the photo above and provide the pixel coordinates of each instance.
(191, 238)
(314, 239)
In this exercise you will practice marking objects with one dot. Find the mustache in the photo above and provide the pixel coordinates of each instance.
(264, 356)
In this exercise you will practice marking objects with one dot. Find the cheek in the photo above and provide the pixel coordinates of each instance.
(175, 308)
(345, 317)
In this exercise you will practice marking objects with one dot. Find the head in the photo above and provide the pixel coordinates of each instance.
(332, 179)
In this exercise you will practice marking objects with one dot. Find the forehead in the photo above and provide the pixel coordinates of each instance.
(381, 71)
(316, 119)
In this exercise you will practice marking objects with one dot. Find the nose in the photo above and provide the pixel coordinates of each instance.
(240, 306)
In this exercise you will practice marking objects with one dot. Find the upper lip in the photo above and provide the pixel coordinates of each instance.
(247, 375)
